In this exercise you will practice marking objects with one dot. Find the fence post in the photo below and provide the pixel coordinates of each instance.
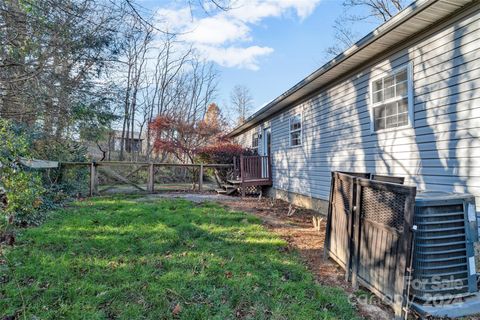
(404, 247)
(151, 178)
(328, 232)
(234, 168)
(269, 163)
(357, 226)
(200, 178)
(242, 174)
(351, 223)
(93, 179)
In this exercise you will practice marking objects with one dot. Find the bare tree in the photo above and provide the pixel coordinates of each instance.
(137, 44)
(344, 36)
(210, 5)
(355, 11)
(242, 103)
(170, 60)
(70, 67)
(202, 86)
(176, 84)
(207, 6)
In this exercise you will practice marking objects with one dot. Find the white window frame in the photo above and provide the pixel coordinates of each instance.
(258, 140)
(290, 131)
(409, 97)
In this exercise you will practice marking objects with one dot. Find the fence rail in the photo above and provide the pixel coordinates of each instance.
(164, 164)
(148, 169)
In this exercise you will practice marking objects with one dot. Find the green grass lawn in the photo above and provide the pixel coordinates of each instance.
(118, 258)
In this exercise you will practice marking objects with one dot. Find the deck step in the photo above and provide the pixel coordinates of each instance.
(229, 186)
(231, 191)
(226, 191)
(234, 181)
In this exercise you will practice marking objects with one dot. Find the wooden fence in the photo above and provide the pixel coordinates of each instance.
(105, 169)
(340, 217)
(369, 233)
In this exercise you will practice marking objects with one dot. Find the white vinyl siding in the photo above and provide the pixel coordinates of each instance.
(440, 150)
(245, 139)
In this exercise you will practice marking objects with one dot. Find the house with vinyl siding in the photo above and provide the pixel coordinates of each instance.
(403, 101)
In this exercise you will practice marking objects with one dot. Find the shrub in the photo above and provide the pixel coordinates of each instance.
(22, 189)
(63, 183)
(223, 153)
(24, 192)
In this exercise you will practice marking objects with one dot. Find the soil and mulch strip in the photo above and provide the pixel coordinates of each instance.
(295, 225)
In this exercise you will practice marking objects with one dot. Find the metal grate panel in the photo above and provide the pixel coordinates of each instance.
(440, 255)
(342, 194)
(383, 207)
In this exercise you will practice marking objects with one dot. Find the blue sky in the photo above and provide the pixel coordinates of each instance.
(266, 45)
(299, 49)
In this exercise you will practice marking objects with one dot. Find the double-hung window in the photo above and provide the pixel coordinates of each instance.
(295, 130)
(255, 141)
(390, 100)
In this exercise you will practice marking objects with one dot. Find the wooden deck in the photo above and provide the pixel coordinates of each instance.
(252, 171)
(252, 182)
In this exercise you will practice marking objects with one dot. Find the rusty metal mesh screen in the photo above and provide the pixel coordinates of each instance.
(384, 207)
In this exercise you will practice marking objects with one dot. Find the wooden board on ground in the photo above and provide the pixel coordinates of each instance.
(38, 164)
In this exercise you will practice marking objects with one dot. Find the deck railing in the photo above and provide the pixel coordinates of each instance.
(247, 168)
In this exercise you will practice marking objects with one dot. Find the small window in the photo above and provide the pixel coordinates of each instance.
(117, 144)
(255, 141)
(132, 145)
(390, 100)
(295, 130)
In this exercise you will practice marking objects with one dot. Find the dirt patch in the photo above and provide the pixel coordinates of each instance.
(194, 197)
(295, 225)
(298, 231)
(7, 238)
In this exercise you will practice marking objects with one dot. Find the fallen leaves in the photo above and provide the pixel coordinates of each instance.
(7, 238)
(177, 309)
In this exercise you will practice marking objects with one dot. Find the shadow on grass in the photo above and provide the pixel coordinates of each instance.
(118, 258)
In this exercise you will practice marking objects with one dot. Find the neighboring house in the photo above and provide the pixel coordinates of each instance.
(403, 101)
(129, 144)
(110, 148)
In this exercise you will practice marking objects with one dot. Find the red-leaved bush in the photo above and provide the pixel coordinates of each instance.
(222, 152)
(181, 138)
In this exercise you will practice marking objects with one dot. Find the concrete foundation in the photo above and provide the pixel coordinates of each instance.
(469, 307)
(319, 205)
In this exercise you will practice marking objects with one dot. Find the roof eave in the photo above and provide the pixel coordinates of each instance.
(274, 105)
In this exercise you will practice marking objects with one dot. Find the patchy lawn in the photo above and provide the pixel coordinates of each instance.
(110, 258)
